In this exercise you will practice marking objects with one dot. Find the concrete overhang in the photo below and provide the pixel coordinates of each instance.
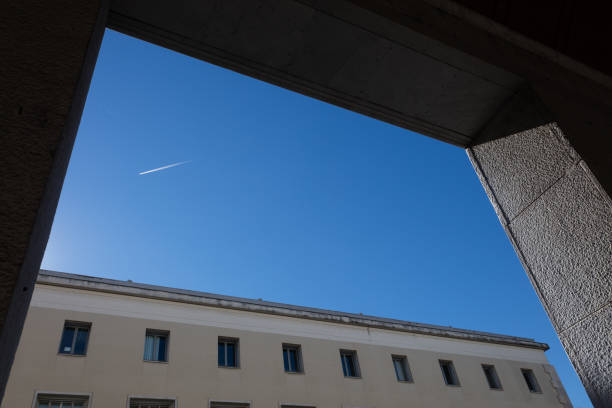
(335, 51)
(128, 288)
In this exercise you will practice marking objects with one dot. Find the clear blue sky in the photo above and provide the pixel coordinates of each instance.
(286, 198)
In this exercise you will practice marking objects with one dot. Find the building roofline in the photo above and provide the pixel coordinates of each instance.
(129, 288)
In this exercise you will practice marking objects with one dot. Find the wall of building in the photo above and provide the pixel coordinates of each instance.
(113, 368)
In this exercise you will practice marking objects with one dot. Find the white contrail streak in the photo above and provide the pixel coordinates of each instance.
(164, 167)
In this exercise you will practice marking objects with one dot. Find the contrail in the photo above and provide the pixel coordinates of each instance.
(164, 167)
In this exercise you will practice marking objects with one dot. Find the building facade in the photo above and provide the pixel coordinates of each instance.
(93, 342)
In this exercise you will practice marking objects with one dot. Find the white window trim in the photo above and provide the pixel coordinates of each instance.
(69, 394)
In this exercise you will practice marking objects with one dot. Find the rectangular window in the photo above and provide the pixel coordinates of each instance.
(228, 352)
(292, 358)
(491, 374)
(156, 345)
(402, 371)
(350, 365)
(74, 338)
(61, 401)
(530, 380)
(151, 403)
(449, 373)
(215, 404)
(296, 406)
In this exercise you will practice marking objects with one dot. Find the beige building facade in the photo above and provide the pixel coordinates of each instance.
(93, 342)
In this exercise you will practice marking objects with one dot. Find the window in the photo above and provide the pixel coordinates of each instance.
(449, 373)
(228, 352)
(492, 378)
(214, 404)
(74, 338)
(292, 358)
(151, 403)
(296, 406)
(61, 401)
(156, 345)
(530, 380)
(402, 371)
(350, 366)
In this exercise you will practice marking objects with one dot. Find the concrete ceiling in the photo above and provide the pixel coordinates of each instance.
(333, 51)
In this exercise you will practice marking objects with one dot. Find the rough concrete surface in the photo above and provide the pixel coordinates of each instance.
(521, 166)
(565, 237)
(580, 99)
(559, 220)
(593, 357)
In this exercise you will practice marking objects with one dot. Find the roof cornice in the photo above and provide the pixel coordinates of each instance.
(129, 288)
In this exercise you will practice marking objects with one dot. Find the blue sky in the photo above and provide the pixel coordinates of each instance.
(284, 198)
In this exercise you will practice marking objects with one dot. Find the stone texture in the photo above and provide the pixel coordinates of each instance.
(559, 220)
(592, 358)
(565, 238)
(521, 166)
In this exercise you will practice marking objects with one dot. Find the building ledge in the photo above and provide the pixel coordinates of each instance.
(129, 288)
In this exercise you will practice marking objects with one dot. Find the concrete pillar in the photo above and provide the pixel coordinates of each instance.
(559, 220)
(47, 54)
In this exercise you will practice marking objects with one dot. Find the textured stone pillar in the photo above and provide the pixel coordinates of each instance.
(559, 220)
(48, 49)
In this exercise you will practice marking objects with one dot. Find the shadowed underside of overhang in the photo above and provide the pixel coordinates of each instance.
(335, 52)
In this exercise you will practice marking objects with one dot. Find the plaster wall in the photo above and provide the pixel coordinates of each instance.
(114, 369)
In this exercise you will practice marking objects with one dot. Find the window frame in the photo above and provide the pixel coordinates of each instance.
(53, 395)
(298, 355)
(228, 404)
(353, 354)
(229, 340)
(452, 372)
(152, 400)
(403, 360)
(157, 333)
(528, 372)
(76, 325)
(495, 377)
(288, 405)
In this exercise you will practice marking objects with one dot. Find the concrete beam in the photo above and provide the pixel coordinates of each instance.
(431, 66)
(579, 97)
(559, 220)
(334, 51)
(49, 49)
